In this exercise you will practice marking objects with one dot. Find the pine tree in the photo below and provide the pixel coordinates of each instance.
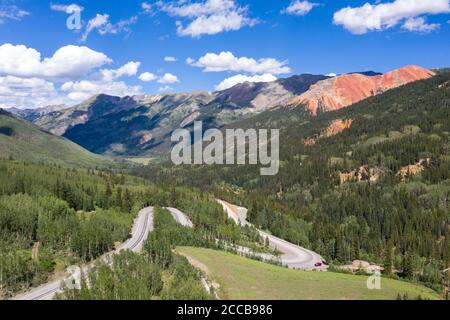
(107, 196)
(127, 203)
(388, 261)
(407, 265)
(118, 201)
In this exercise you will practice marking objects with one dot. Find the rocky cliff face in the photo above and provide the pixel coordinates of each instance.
(335, 127)
(342, 91)
(257, 97)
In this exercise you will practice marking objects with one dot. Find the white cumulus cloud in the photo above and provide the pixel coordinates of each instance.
(67, 62)
(27, 80)
(168, 78)
(420, 25)
(300, 8)
(207, 17)
(147, 77)
(240, 78)
(27, 92)
(226, 61)
(85, 89)
(129, 69)
(381, 16)
(104, 82)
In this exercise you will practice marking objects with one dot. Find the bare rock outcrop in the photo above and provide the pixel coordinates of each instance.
(342, 91)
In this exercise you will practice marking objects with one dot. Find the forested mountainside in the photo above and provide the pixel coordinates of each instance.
(371, 181)
(52, 217)
(22, 140)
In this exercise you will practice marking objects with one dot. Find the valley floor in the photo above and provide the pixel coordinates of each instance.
(241, 278)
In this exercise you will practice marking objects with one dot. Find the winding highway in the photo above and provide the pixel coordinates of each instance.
(294, 256)
(142, 226)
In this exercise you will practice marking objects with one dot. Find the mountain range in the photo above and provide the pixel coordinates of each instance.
(142, 125)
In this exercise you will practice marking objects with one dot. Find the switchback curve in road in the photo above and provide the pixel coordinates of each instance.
(293, 256)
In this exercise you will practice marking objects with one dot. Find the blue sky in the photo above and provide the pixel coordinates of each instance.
(238, 40)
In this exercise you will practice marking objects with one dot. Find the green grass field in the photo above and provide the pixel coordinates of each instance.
(245, 279)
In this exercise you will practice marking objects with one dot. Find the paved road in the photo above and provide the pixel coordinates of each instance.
(143, 225)
(180, 217)
(184, 220)
(294, 256)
